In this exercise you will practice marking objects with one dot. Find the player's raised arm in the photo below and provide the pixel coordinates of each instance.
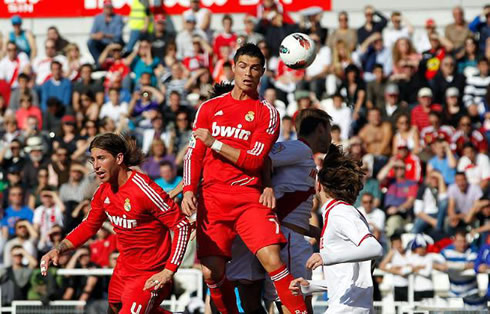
(87, 229)
(251, 159)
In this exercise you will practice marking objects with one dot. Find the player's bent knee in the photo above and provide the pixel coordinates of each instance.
(213, 268)
(269, 257)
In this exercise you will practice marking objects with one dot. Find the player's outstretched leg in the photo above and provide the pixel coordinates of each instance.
(270, 260)
(222, 291)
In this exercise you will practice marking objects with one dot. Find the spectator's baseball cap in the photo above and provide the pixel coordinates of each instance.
(107, 3)
(418, 241)
(452, 92)
(424, 92)
(430, 23)
(392, 89)
(34, 143)
(68, 119)
(14, 169)
(160, 18)
(300, 94)
(16, 20)
(190, 18)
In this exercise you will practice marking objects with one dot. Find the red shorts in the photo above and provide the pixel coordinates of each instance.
(128, 291)
(225, 212)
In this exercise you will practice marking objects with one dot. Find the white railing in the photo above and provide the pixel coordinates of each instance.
(190, 279)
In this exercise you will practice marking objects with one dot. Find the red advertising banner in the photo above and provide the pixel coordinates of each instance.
(82, 8)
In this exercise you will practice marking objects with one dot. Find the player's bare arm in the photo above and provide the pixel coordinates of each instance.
(53, 255)
(159, 280)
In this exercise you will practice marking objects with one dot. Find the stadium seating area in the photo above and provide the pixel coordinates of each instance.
(413, 105)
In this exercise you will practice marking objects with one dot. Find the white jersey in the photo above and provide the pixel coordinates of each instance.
(42, 67)
(10, 69)
(293, 179)
(350, 285)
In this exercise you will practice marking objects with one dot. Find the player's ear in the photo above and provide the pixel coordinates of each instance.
(120, 158)
(318, 187)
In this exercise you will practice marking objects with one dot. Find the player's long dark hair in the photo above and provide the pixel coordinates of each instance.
(341, 176)
(116, 144)
(220, 89)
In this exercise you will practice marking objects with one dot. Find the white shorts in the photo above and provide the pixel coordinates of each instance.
(245, 266)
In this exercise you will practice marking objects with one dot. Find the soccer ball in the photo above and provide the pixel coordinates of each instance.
(297, 51)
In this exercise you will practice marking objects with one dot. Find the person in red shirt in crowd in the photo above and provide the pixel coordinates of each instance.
(431, 59)
(420, 114)
(112, 61)
(232, 136)
(466, 133)
(413, 166)
(267, 6)
(435, 130)
(226, 38)
(102, 248)
(142, 215)
(27, 110)
(203, 54)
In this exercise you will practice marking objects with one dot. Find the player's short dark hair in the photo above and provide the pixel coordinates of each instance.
(250, 50)
(116, 144)
(341, 176)
(308, 120)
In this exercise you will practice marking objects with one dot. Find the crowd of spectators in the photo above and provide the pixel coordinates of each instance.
(414, 110)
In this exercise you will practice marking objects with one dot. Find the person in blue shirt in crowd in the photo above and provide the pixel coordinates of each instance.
(459, 257)
(24, 40)
(15, 211)
(107, 29)
(482, 265)
(56, 87)
(169, 179)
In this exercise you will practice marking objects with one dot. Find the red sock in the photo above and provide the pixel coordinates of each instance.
(223, 296)
(281, 279)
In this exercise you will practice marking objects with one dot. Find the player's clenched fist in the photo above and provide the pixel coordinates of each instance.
(50, 257)
(205, 136)
(295, 285)
(314, 261)
(159, 280)
(189, 203)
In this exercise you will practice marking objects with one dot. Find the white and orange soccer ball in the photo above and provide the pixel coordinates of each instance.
(297, 51)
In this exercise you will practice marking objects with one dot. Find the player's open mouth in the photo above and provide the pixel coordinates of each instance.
(247, 82)
(100, 174)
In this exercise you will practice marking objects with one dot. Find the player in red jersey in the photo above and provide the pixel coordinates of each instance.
(142, 215)
(232, 136)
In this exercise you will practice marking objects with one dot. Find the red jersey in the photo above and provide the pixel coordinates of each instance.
(252, 126)
(413, 168)
(101, 249)
(224, 39)
(142, 215)
(430, 134)
(475, 138)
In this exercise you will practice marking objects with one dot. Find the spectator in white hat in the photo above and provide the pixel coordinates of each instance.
(420, 114)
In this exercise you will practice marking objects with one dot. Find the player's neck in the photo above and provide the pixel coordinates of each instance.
(121, 178)
(239, 94)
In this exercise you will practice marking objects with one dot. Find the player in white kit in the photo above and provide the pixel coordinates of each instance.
(293, 182)
(346, 245)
